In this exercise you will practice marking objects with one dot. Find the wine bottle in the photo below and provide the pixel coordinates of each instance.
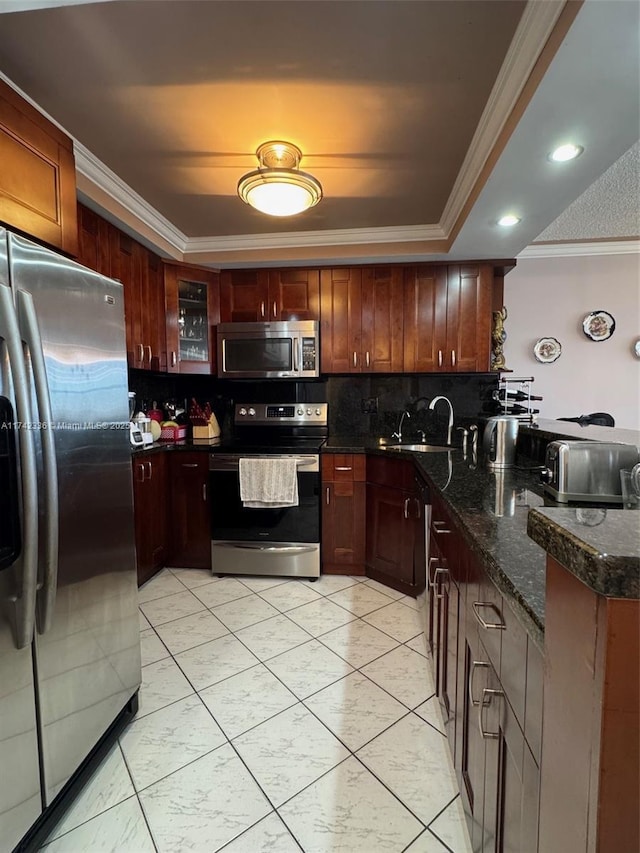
(515, 409)
(516, 395)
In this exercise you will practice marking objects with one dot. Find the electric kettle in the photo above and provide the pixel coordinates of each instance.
(499, 441)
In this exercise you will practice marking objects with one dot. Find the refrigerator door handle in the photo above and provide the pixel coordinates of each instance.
(26, 600)
(31, 335)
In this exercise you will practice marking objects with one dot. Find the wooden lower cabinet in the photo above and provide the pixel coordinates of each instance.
(150, 491)
(343, 513)
(395, 527)
(481, 656)
(190, 525)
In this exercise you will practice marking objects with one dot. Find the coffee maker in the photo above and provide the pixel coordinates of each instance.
(135, 433)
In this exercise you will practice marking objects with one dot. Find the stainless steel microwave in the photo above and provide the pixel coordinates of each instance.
(278, 350)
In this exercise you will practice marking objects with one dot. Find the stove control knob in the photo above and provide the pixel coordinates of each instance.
(300, 412)
(317, 411)
(242, 412)
(308, 411)
(252, 412)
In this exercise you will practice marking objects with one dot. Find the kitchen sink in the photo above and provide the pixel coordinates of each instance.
(421, 448)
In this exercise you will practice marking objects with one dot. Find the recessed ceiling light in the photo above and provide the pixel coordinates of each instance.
(508, 220)
(566, 152)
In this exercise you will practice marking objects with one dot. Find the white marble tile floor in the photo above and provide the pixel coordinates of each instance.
(275, 716)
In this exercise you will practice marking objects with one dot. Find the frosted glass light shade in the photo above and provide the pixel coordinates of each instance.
(278, 188)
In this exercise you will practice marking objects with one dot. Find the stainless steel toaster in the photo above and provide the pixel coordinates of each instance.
(587, 470)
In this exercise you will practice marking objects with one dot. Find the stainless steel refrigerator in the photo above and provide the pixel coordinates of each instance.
(69, 636)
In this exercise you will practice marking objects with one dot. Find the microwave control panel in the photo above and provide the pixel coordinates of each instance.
(308, 353)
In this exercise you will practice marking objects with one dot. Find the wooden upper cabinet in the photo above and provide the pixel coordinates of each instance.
(192, 305)
(362, 320)
(256, 295)
(447, 318)
(94, 236)
(425, 317)
(341, 320)
(244, 296)
(37, 175)
(294, 294)
(469, 318)
(382, 320)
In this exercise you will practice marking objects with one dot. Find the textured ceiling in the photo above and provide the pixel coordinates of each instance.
(425, 120)
(608, 209)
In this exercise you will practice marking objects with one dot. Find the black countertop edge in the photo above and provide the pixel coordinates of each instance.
(600, 547)
(491, 509)
(186, 444)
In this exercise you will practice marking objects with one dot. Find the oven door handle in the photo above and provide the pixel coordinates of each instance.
(231, 463)
(259, 546)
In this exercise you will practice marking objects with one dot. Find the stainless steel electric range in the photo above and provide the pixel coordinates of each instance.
(278, 541)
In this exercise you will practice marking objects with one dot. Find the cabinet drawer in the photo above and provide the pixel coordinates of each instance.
(343, 467)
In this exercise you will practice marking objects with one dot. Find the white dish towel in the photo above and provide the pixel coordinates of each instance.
(268, 483)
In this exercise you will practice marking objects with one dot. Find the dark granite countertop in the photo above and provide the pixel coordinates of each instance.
(551, 430)
(601, 547)
(491, 509)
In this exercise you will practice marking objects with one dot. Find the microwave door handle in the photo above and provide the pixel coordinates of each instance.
(25, 601)
(296, 360)
(31, 334)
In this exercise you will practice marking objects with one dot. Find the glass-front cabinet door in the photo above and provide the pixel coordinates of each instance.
(193, 309)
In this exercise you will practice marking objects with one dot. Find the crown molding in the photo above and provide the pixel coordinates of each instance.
(573, 250)
(532, 33)
(305, 239)
(94, 170)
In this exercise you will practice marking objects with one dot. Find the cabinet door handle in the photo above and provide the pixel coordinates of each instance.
(476, 605)
(430, 580)
(204, 492)
(439, 529)
(140, 353)
(150, 469)
(439, 358)
(148, 348)
(355, 358)
(367, 359)
(487, 695)
(406, 507)
(173, 359)
(343, 468)
(262, 308)
(474, 665)
(141, 474)
(441, 570)
(275, 312)
(327, 492)
(189, 464)
(453, 358)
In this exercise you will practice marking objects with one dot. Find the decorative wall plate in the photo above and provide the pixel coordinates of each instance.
(598, 325)
(547, 350)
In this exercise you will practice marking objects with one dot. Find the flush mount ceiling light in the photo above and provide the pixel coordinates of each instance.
(508, 220)
(569, 151)
(277, 187)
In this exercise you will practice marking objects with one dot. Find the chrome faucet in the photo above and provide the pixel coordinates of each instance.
(448, 401)
(398, 433)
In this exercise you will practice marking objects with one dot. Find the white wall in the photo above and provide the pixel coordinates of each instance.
(549, 297)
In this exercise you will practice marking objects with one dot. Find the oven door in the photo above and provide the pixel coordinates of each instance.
(277, 541)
